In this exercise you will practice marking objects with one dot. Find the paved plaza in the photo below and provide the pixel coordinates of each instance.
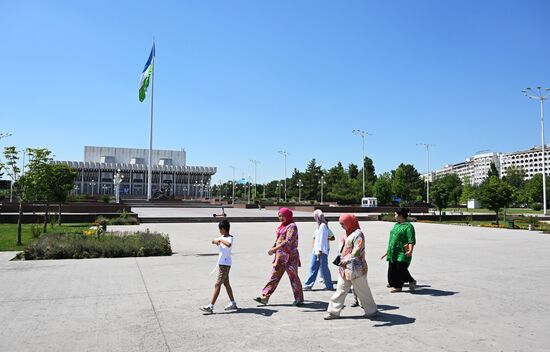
(479, 290)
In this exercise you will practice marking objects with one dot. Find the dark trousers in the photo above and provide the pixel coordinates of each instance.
(398, 274)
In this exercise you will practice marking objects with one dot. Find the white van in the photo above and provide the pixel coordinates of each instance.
(369, 202)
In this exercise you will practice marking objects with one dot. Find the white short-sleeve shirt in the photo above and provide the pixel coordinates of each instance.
(224, 257)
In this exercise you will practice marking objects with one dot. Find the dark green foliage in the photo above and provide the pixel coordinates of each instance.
(406, 183)
(495, 194)
(493, 171)
(383, 190)
(115, 245)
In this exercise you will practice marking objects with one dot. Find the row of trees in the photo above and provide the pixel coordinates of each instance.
(340, 184)
(42, 181)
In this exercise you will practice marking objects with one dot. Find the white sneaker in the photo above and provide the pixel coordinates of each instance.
(231, 306)
(207, 309)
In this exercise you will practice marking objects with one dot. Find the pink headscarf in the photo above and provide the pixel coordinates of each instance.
(350, 221)
(287, 213)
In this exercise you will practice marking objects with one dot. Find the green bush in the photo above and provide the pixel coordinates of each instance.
(112, 245)
(130, 220)
(105, 198)
(36, 230)
(536, 206)
(387, 217)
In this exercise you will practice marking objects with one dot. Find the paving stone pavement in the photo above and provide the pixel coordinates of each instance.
(479, 290)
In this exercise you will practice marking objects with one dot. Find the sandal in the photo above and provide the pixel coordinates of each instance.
(261, 300)
(395, 290)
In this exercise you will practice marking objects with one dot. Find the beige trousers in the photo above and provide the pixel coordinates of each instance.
(360, 287)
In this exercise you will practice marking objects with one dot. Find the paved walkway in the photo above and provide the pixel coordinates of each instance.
(480, 290)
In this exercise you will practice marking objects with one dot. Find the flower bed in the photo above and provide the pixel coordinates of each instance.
(109, 245)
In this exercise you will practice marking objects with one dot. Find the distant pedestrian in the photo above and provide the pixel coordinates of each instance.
(225, 244)
(352, 271)
(287, 259)
(319, 259)
(399, 254)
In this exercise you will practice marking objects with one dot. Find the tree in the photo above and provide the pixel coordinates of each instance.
(440, 195)
(60, 184)
(38, 179)
(493, 171)
(516, 178)
(468, 190)
(353, 171)
(383, 189)
(454, 187)
(407, 183)
(495, 194)
(532, 190)
(11, 155)
(370, 175)
(310, 179)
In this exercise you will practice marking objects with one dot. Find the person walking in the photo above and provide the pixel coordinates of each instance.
(319, 259)
(352, 271)
(399, 254)
(287, 259)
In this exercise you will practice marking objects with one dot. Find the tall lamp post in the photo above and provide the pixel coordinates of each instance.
(233, 183)
(284, 154)
(362, 134)
(92, 184)
(279, 191)
(117, 180)
(322, 183)
(540, 94)
(255, 162)
(299, 184)
(4, 135)
(427, 146)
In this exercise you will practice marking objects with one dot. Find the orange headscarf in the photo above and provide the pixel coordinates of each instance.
(350, 221)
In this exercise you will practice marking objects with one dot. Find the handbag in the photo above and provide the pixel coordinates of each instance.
(338, 258)
(331, 236)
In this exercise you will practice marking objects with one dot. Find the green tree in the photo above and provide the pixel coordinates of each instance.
(310, 180)
(38, 179)
(516, 178)
(532, 190)
(407, 183)
(454, 187)
(383, 189)
(370, 173)
(495, 194)
(353, 171)
(440, 194)
(468, 191)
(493, 171)
(11, 156)
(60, 184)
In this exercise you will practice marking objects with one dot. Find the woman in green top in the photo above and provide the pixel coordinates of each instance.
(399, 253)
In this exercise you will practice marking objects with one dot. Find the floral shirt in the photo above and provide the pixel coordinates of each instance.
(400, 235)
(288, 253)
(354, 254)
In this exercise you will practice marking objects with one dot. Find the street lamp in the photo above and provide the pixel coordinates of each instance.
(427, 145)
(92, 184)
(279, 191)
(4, 135)
(540, 94)
(233, 182)
(322, 183)
(362, 134)
(104, 188)
(195, 193)
(255, 162)
(284, 154)
(299, 184)
(117, 180)
(76, 188)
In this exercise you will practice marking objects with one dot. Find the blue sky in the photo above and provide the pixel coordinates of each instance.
(240, 80)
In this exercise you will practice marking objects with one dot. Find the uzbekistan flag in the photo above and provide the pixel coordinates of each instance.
(146, 75)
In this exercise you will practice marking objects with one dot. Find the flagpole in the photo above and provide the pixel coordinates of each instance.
(150, 168)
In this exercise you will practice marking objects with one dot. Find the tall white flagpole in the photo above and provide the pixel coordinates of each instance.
(150, 168)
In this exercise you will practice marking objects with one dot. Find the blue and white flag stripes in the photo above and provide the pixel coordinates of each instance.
(146, 74)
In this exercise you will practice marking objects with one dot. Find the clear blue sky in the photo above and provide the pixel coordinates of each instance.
(240, 80)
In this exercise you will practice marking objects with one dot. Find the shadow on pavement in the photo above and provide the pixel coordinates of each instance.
(258, 311)
(387, 319)
(423, 290)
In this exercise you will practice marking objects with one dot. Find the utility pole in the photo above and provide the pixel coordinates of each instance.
(362, 134)
(233, 183)
(427, 146)
(255, 162)
(285, 154)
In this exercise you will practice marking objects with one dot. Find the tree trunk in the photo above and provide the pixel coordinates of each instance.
(46, 217)
(19, 220)
(59, 218)
(440, 214)
(497, 216)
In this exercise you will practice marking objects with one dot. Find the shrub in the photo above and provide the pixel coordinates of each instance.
(105, 198)
(130, 220)
(536, 206)
(112, 245)
(387, 217)
(36, 230)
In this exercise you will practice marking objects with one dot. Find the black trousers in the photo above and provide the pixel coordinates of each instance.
(398, 274)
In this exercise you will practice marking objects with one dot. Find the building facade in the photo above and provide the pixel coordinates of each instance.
(95, 175)
(477, 167)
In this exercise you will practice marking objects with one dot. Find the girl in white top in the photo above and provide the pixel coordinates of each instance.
(319, 259)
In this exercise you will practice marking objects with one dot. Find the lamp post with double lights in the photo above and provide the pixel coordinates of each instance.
(540, 94)
(362, 134)
(428, 176)
(117, 180)
(322, 183)
(299, 184)
(92, 185)
(255, 162)
(284, 154)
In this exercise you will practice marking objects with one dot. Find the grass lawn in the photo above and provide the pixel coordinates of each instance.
(510, 211)
(8, 234)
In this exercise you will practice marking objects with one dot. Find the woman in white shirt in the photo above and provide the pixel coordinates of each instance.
(319, 259)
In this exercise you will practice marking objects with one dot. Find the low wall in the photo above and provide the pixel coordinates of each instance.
(76, 207)
(65, 218)
(329, 209)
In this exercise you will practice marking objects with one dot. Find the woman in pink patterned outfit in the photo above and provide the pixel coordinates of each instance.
(287, 259)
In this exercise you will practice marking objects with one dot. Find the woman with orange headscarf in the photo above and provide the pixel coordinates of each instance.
(352, 271)
(287, 259)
